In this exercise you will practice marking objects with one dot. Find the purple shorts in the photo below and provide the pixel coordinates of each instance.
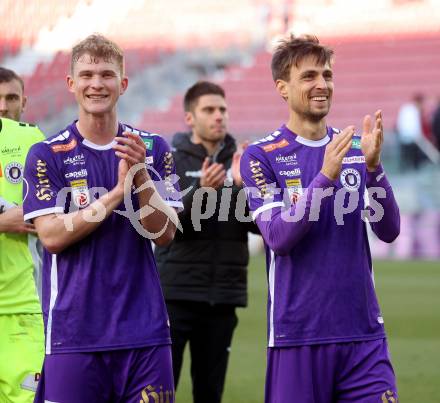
(331, 373)
(125, 376)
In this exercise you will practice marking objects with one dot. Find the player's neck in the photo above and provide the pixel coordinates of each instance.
(307, 128)
(98, 129)
(210, 146)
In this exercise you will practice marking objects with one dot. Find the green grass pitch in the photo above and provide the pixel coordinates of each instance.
(409, 295)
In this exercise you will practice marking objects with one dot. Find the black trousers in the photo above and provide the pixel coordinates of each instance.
(208, 329)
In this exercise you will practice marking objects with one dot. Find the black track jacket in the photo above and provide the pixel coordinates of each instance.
(209, 264)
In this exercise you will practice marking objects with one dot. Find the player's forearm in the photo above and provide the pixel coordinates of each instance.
(279, 235)
(11, 221)
(388, 227)
(59, 231)
(155, 215)
(4, 224)
(5, 205)
(4, 221)
(284, 229)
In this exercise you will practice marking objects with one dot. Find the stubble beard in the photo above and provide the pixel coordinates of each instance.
(315, 117)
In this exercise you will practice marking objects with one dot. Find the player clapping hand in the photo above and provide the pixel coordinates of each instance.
(372, 140)
(335, 152)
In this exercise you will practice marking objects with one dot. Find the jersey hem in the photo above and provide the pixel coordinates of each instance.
(90, 349)
(331, 340)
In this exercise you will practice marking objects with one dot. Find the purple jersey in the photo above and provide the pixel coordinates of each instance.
(103, 292)
(320, 277)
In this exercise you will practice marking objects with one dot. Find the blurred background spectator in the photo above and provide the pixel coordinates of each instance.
(436, 126)
(411, 133)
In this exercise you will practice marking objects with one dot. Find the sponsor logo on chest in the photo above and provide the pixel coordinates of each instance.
(58, 148)
(356, 159)
(274, 146)
(78, 159)
(10, 150)
(286, 159)
(291, 172)
(43, 189)
(76, 174)
(260, 180)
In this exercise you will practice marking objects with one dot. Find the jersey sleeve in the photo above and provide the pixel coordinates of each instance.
(42, 184)
(163, 172)
(259, 182)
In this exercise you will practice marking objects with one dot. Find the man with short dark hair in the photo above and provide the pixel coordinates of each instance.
(12, 98)
(22, 335)
(204, 270)
(99, 192)
(306, 183)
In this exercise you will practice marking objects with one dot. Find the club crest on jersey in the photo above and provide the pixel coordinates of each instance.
(80, 193)
(274, 146)
(14, 172)
(350, 179)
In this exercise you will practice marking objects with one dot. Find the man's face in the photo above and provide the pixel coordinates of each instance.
(97, 84)
(12, 100)
(309, 90)
(209, 118)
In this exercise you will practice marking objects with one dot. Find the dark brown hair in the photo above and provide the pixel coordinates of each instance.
(199, 89)
(291, 51)
(7, 75)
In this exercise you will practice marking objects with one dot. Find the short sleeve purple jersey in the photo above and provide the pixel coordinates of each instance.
(103, 292)
(321, 288)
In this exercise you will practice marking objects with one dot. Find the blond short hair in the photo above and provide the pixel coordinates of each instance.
(98, 46)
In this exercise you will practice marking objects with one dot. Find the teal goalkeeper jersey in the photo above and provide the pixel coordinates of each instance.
(17, 286)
